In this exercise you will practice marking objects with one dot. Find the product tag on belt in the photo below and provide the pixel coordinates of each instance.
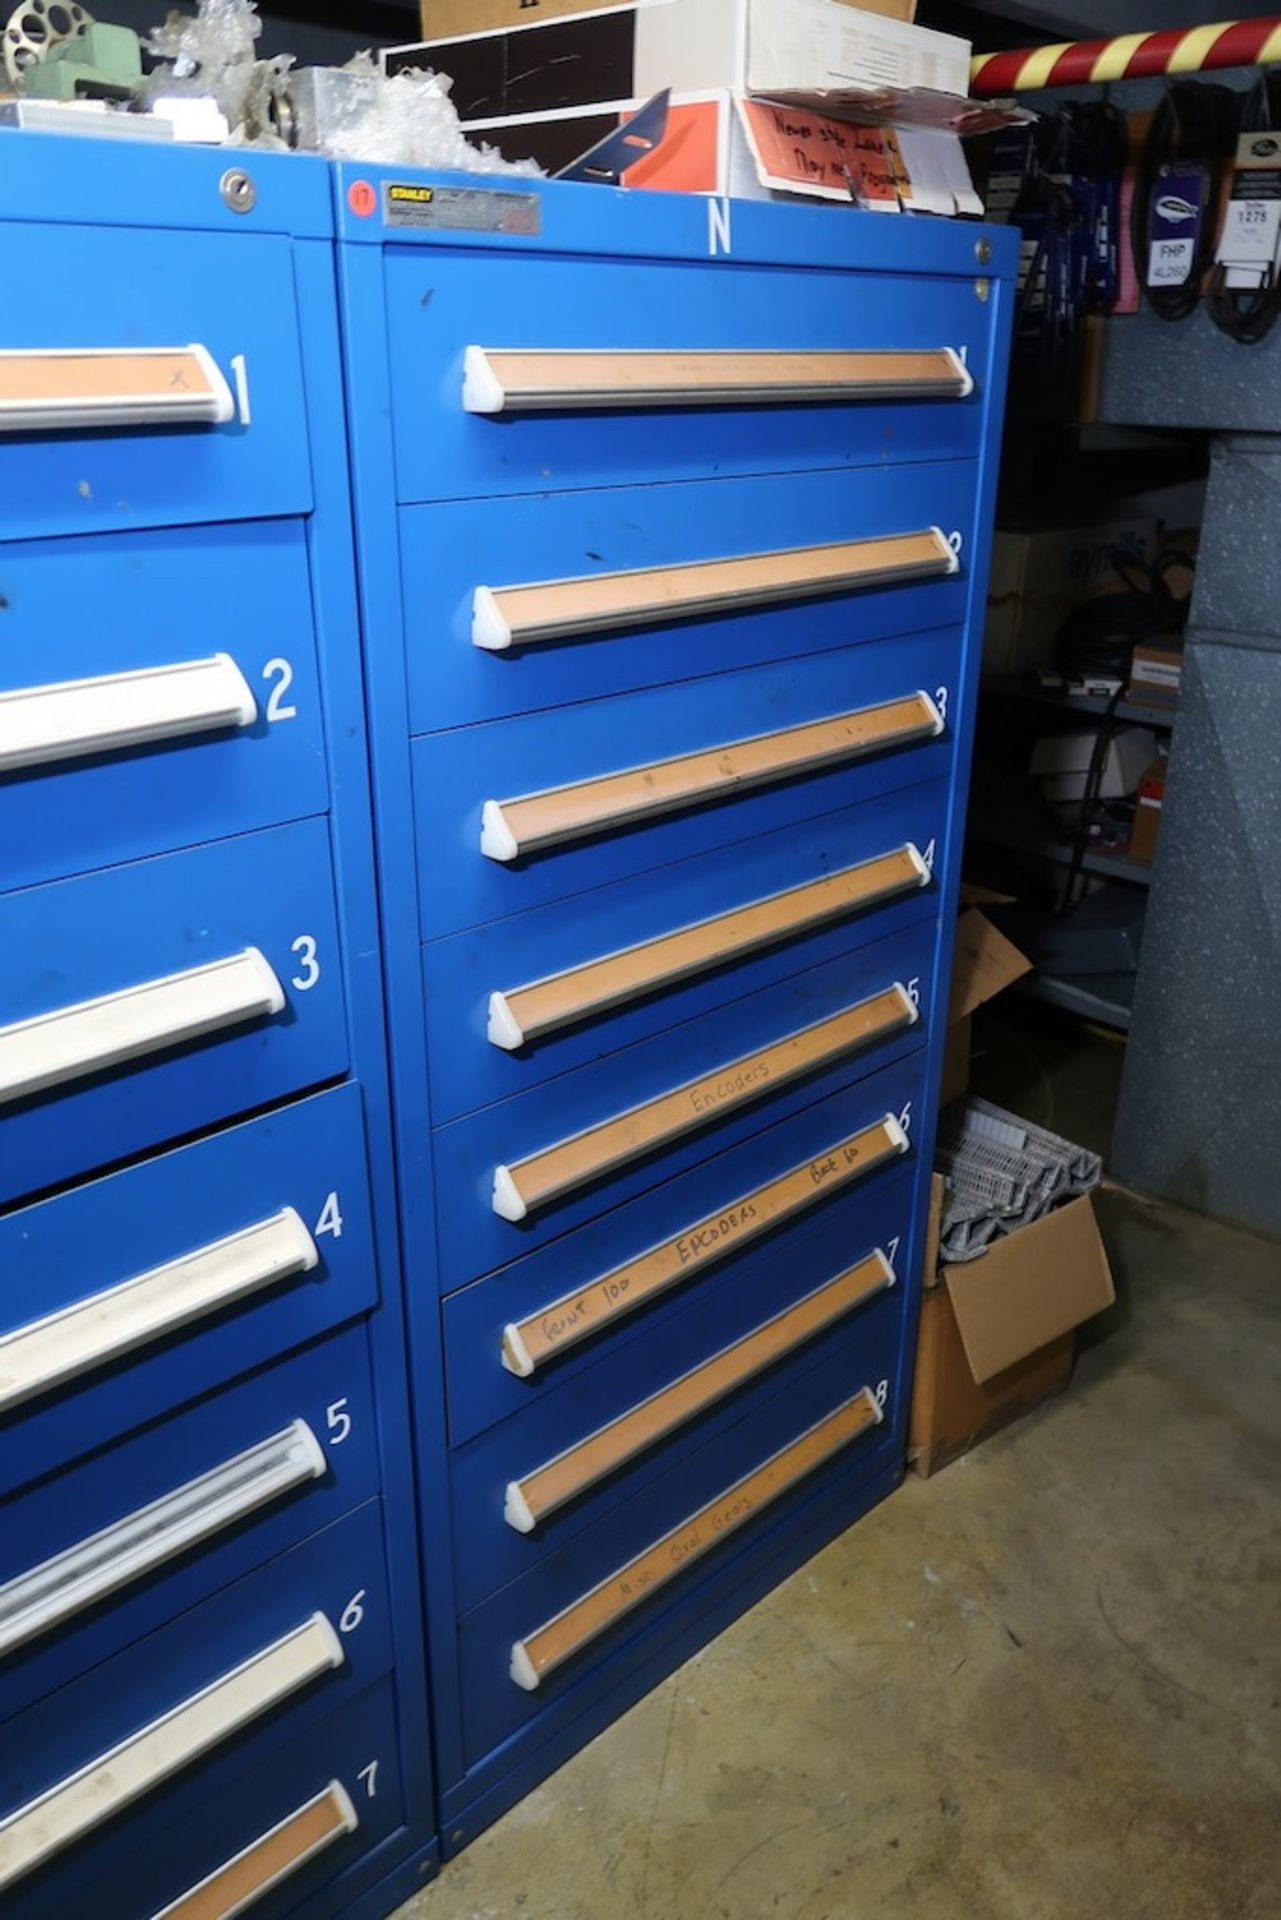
(1174, 222)
(1247, 249)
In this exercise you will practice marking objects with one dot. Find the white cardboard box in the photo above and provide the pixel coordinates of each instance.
(814, 48)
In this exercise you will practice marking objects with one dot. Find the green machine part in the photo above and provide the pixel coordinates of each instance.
(102, 63)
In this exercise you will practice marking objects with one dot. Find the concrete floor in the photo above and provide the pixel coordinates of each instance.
(1043, 1685)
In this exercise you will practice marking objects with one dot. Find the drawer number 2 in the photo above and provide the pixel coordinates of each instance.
(308, 966)
(280, 676)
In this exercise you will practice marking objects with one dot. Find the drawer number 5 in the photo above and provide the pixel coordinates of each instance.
(338, 1421)
(308, 966)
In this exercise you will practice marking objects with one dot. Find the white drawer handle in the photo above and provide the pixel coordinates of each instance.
(565, 999)
(93, 1035)
(512, 828)
(505, 617)
(72, 718)
(529, 1344)
(525, 1185)
(66, 1812)
(563, 1479)
(271, 1860)
(47, 1353)
(515, 380)
(58, 1589)
(542, 1652)
(48, 390)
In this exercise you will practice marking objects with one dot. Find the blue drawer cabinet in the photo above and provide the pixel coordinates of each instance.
(212, 1671)
(672, 530)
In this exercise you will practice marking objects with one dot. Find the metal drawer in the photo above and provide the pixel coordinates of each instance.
(540, 1644)
(127, 1297)
(157, 689)
(590, 422)
(530, 1485)
(136, 1532)
(100, 431)
(461, 563)
(151, 999)
(521, 1173)
(549, 1316)
(527, 811)
(277, 1651)
(511, 1005)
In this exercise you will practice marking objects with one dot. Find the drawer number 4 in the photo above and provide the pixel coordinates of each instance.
(330, 1220)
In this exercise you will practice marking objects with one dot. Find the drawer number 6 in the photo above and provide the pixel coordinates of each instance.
(308, 966)
(353, 1613)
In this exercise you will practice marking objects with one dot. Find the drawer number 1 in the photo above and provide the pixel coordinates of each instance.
(240, 373)
(368, 1777)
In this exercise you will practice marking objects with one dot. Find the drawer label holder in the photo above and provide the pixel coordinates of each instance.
(523, 1186)
(46, 1353)
(541, 1653)
(531, 1500)
(74, 1807)
(131, 1549)
(524, 380)
(73, 718)
(270, 1860)
(529, 1344)
(580, 993)
(511, 829)
(504, 617)
(52, 390)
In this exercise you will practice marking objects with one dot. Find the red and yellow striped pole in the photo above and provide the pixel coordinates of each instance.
(1131, 56)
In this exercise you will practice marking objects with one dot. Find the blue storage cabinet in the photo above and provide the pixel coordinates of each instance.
(672, 535)
(212, 1678)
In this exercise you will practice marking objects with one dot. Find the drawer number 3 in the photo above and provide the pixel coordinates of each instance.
(308, 966)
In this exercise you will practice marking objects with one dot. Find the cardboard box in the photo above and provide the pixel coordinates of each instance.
(1147, 812)
(998, 1335)
(826, 55)
(464, 19)
(984, 964)
(720, 144)
(1062, 762)
(1156, 672)
(1039, 575)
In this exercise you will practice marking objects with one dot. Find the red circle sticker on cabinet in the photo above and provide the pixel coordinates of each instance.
(361, 198)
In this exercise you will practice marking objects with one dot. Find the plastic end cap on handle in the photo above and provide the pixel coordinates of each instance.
(953, 557)
(272, 989)
(516, 1509)
(967, 378)
(503, 1029)
(937, 722)
(887, 1266)
(506, 1202)
(489, 630)
(522, 1668)
(224, 408)
(911, 1010)
(924, 871)
(497, 841)
(308, 1251)
(516, 1356)
(246, 704)
(897, 1132)
(482, 389)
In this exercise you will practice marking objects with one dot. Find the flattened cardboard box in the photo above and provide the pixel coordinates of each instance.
(998, 1334)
